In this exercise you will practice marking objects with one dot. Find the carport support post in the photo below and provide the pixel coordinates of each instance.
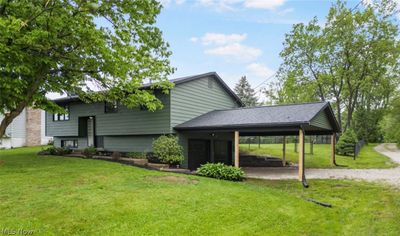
(301, 154)
(236, 148)
(333, 142)
(284, 151)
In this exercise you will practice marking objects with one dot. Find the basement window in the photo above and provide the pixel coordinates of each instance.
(69, 143)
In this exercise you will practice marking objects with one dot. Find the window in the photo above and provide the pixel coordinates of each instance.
(111, 107)
(62, 117)
(69, 143)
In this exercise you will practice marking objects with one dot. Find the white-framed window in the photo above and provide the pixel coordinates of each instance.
(62, 117)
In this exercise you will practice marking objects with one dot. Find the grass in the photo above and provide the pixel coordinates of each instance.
(367, 159)
(68, 196)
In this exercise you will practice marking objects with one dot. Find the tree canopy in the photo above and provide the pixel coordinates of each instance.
(351, 60)
(245, 92)
(78, 47)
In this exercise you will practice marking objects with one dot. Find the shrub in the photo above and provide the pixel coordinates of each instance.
(55, 151)
(137, 155)
(346, 143)
(151, 157)
(89, 152)
(221, 171)
(168, 150)
(116, 155)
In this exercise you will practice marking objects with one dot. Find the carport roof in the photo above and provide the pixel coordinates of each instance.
(279, 119)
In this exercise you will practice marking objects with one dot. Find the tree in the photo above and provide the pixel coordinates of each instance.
(245, 92)
(390, 124)
(351, 61)
(78, 47)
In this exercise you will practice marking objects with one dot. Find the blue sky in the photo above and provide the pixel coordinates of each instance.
(233, 37)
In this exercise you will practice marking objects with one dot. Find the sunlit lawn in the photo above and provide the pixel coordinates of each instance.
(368, 157)
(70, 196)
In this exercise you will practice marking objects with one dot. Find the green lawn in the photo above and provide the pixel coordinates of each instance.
(70, 196)
(368, 157)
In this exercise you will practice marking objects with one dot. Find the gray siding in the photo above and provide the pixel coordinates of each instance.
(124, 122)
(321, 120)
(194, 98)
(129, 143)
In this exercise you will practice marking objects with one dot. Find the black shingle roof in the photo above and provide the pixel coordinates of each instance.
(176, 82)
(253, 117)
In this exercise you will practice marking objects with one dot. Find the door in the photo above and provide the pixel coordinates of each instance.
(90, 131)
(199, 153)
(223, 152)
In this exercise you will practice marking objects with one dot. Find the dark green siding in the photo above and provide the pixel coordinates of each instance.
(321, 120)
(194, 98)
(124, 122)
(142, 143)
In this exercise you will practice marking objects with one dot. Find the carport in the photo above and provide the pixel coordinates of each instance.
(280, 120)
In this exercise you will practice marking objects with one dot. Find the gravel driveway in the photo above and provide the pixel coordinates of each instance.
(391, 176)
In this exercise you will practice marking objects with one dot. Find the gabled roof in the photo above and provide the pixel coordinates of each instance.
(176, 81)
(261, 117)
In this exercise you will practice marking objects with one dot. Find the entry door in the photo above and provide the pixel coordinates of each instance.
(199, 153)
(90, 131)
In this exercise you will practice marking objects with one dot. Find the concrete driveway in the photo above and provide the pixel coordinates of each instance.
(391, 176)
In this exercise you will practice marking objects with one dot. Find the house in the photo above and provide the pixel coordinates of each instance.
(202, 110)
(27, 129)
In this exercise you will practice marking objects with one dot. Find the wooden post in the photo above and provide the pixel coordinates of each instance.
(333, 142)
(301, 154)
(284, 151)
(236, 148)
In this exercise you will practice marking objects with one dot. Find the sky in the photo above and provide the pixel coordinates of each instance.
(234, 37)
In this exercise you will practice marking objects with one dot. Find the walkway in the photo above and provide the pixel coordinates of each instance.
(391, 176)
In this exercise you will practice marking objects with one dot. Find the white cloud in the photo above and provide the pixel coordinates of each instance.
(263, 4)
(259, 70)
(222, 39)
(285, 11)
(179, 2)
(168, 2)
(236, 51)
(194, 39)
(220, 5)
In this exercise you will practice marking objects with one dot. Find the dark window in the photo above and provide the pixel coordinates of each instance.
(62, 117)
(111, 107)
(69, 143)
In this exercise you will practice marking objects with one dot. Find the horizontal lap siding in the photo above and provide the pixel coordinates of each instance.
(124, 122)
(194, 98)
(321, 121)
(129, 143)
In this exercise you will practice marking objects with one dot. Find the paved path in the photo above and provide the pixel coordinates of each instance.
(391, 176)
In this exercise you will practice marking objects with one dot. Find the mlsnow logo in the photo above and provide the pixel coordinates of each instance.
(10, 231)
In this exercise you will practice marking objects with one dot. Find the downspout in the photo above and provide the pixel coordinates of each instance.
(303, 177)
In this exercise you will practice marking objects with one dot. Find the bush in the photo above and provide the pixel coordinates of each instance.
(168, 150)
(136, 155)
(89, 152)
(346, 143)
(152, 158)
(55, 151)
(116, 155)
(221, 171)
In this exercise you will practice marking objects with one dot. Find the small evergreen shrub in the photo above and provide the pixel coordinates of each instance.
(59, 151)
(89, 152)
(221, 171)
(346, 143)
(136, 155)
(168, 150)
(116, 155)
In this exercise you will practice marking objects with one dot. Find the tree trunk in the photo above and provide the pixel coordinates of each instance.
(8, 118)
